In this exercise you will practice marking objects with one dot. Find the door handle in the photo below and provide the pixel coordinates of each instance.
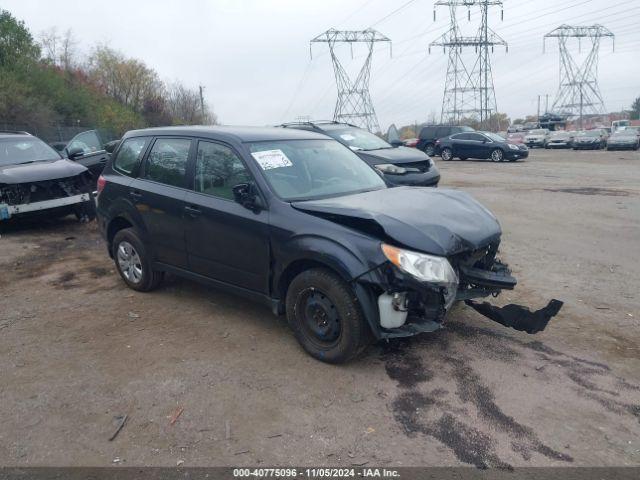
(135, 195)
(192, 211)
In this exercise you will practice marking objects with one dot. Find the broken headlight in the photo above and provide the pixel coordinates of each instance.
(426, 268)
(391, 168)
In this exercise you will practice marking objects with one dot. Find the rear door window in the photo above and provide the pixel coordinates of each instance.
(476, 137)
(443, 132)
(129, 154)
(167, 161)
(428, 132)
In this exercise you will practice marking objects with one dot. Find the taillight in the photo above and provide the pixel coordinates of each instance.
(101, 183)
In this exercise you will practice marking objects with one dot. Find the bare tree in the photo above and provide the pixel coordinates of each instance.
(59, 49)
(187, 107)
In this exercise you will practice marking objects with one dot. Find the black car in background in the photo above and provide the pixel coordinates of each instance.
(294, 219)
(36, 179)
(626, 139)
(400, 165)
(482, 145)
(590, 140)
(429, 134)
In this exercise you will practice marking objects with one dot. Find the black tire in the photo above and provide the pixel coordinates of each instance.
(148, 278)
(85, 212)
(446, 154)
(430, 149)
(496, 155)
(325, 316)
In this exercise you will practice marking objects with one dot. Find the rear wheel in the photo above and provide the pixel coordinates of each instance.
(446, 154)
(133, 261)
(497, 155)
(325, 316)
(430, 149)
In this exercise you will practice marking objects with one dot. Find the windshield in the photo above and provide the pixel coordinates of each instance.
(357, 139)
(494, 136)
(590, 133)
(308, 169)
(16, 150)
(538, 132)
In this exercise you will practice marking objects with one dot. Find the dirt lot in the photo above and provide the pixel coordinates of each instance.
(78, 349)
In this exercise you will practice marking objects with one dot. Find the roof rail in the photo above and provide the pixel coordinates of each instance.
(15, 132)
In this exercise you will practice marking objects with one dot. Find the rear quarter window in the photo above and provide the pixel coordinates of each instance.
(428, 132)
(129, 154)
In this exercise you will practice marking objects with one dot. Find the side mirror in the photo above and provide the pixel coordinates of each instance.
(396, 143)
(111, 146)
(75, 153)
(246, 195)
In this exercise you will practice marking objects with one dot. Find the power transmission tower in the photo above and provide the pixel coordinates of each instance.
(578, 93)
(468, 90)
(354, 101)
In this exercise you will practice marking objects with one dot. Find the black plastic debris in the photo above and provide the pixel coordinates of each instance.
(518, 317)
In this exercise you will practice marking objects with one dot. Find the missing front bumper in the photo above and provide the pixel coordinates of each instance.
(7, 211)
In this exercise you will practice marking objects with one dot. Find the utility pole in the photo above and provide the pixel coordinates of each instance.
(469, 90)
(202, 102)
(578, 92)
(353, 104)
(581, 105)
(538, 117)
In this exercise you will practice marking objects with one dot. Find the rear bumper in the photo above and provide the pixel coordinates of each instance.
(8, 211)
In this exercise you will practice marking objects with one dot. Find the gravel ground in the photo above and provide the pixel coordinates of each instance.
(78, 350)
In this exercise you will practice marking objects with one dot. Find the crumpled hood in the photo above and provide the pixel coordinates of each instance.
(397, 156)
(40, 171)
(436, 221)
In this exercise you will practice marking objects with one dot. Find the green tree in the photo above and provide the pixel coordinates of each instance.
(16, 42)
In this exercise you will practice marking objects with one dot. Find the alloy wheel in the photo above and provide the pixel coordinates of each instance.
(129, 262)
(497, 155)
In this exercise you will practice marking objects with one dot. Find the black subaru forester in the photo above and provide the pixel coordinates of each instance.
(298, 221)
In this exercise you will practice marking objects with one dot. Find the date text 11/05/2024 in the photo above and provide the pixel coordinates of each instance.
(315, 472)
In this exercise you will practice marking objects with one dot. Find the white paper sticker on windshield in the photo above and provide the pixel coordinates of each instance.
(347, 137)
(269, 159)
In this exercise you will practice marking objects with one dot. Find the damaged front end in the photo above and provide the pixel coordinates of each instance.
(415, 291)
(63, 195)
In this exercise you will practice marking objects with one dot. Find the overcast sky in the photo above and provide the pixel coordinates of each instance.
(253, 58)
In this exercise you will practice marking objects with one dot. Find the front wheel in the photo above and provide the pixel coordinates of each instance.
(325, 316)
(497, 155)
(446, 154)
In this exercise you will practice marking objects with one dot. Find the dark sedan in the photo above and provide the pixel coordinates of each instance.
(482, 145)
(590, 140)
(398, 165)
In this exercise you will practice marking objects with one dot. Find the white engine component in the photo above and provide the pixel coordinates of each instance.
(393, 312)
